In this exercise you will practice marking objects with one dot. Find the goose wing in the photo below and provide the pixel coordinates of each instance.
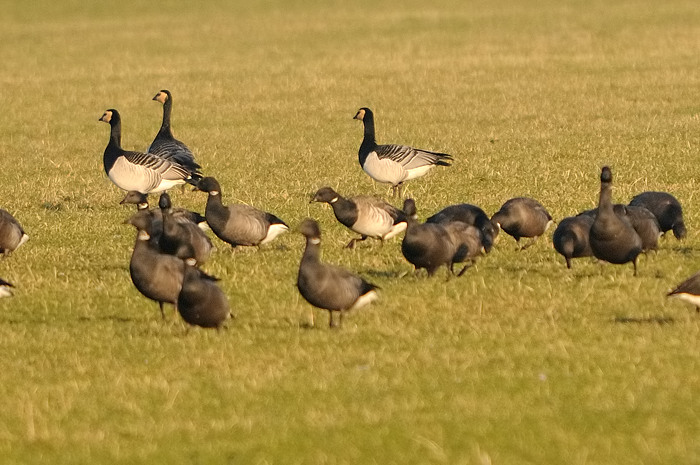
(411, 158)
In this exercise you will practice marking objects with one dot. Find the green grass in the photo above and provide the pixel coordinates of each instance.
(519, 361)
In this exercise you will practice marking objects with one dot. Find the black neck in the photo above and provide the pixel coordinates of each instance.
(605, 199)
(167, 110)
(369, 142)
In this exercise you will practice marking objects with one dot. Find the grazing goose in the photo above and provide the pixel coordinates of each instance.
(165, 145)
(642, 220)
(468, 214)
(427, 245)
(181, 214)
(12, 236)
(666, 208)
(394, 164)
(689, 291)
(327, 286)
(156, 275)
(522, 217)
(367, 216)
(238, 224)
(136, 171)
(181, 237)
(612, 238)
(5, 288)
(571, 237)
(201, 302)
(467, 242)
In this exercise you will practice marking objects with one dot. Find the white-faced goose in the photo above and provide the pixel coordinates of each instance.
(468, 214)
(5, 288)
(522, 217)
(688, 291)
(165, 145)
(327, 286)
(181, 214)
(612, 238)
(393, 164)
(155, 274)
(642, 220)
(12, 235)
(666, 208)
(137, 171)
(238, 224)
(571, 237)
(427, 245)
(181, 237)
(367, 216)
(201, 302)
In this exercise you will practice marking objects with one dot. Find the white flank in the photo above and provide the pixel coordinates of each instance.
(414, 173)
(273, 231)
(365, 299)
(204, 226)
(24, 239)
(397, 229)
(690, 298)
(5, 291)
(385, 170)
(166, 184)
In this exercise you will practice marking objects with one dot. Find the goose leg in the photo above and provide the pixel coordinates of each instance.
(162, 312)
(634, 263)
(351, 244)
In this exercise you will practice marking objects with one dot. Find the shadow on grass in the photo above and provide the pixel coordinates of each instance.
(658, 320)
(115, 318)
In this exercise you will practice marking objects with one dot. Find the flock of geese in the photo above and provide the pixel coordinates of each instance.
(171, 243)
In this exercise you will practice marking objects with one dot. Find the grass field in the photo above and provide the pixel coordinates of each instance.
(517, 362)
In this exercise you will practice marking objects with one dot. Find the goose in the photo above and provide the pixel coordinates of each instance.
(5, 288)
(570, 238)
(522, 217)
(238, 224)
(165, 145)
(181, 237)
(201, 302)
(327, 286)
(365, 215)
(12, 235)
(467, 242)
(427, 245)
(156, 275)
(181, 214)
(612, 237)
(689, 291)
(471, 215)
(142, 172)
(393, 164)
(666, 208)
(642, 220)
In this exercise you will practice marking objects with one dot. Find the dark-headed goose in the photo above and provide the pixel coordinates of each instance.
(393, 164)
(367, 216)
(612, 238)
(468, 214)
(137, 171)
(155, 274)
(326, 286)
(642, 220)
(571, 237)
(666, 208)
(522, 217)
(141, 202)
(427, 245)
(12, 234)
(238, 224)
(181, 237)
(200, 301)
(165, 145)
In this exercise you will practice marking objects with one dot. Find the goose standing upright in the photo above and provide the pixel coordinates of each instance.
(137, 171)
(393, 164)
(327, 286)
(612, 238)
(238, 224)
(156, 275)
(367, 216)
(165, 145)
(12, 235)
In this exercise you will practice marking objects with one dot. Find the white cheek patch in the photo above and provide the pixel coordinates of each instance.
(213, 192)
(315, 240)
(143, 236)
